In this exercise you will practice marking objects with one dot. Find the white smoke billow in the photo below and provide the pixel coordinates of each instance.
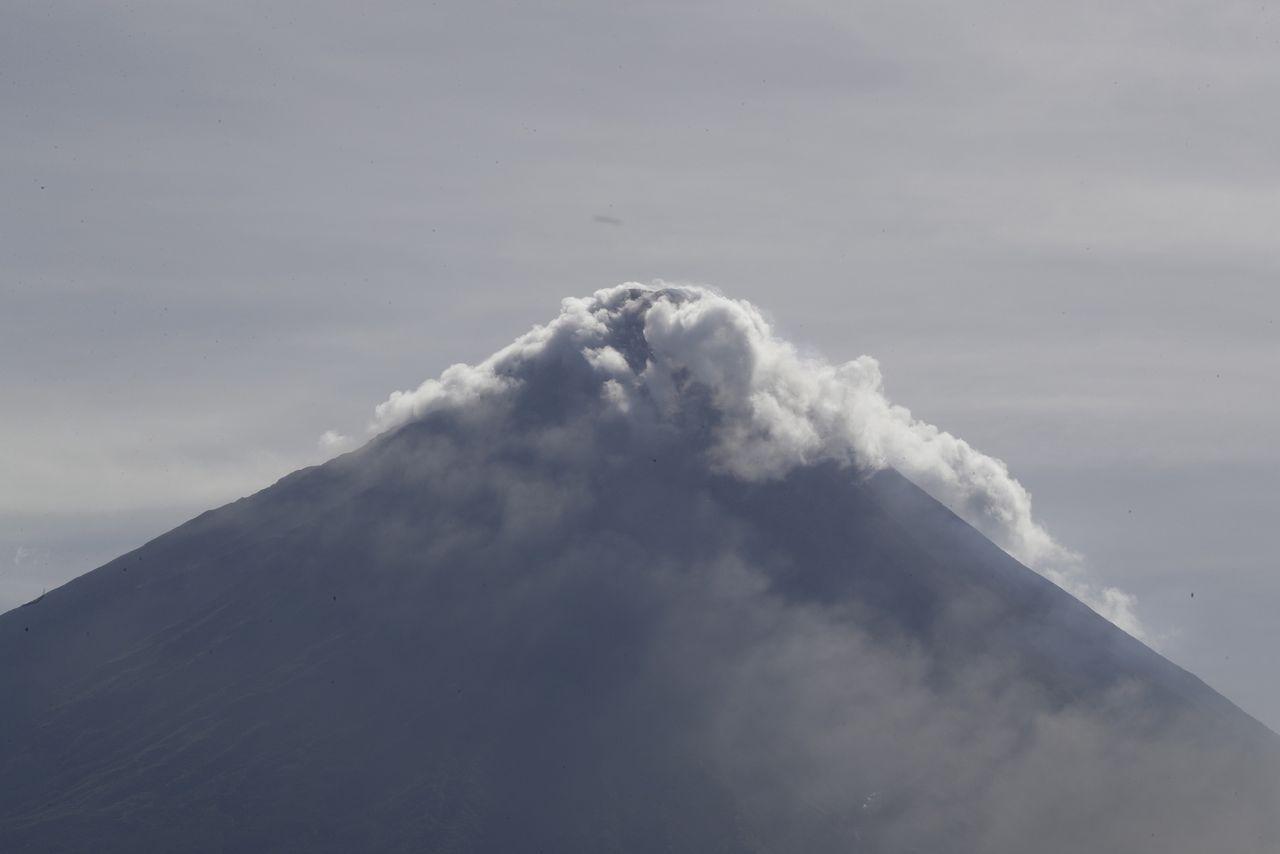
(656, 351)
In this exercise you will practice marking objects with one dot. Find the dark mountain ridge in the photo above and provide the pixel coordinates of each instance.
(317, 667)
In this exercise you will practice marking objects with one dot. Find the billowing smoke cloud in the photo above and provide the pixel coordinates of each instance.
(687, 358)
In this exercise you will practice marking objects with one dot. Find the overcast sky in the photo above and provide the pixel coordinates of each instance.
(228, 229)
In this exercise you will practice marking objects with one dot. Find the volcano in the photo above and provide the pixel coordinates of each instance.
(648, 579)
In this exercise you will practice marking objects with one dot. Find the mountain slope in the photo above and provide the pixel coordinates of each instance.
(532, 620)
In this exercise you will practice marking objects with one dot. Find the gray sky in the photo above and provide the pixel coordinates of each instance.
(228, 228)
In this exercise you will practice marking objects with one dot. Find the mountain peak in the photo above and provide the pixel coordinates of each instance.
(710, 372)
(600, 592)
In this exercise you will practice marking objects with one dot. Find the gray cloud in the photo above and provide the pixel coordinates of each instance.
(833, 738)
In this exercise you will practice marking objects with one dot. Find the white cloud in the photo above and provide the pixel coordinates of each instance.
(661, 354)
(28, 557)
(331, 441)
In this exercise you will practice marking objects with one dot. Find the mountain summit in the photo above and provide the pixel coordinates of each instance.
(648, 579)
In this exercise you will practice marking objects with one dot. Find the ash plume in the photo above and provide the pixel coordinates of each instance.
(686, 358)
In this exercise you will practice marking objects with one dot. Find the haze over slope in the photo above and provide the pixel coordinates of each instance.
(648, 579)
